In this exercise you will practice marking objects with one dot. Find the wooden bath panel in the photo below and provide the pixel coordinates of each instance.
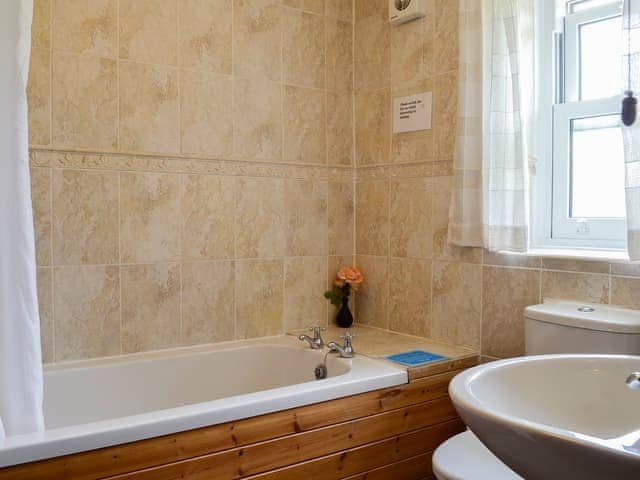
(384, 434)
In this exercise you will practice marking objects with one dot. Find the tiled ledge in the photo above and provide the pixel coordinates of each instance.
(181, 164)
(377, 343)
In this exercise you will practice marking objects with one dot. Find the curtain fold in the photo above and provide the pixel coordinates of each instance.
(631, 135)
(489, 205)
(465, 213)
(20, 355)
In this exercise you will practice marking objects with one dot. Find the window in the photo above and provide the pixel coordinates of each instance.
(578, 195)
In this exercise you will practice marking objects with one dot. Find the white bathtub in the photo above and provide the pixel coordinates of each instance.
(94, 404)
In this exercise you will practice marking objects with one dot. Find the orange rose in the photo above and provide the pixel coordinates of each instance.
(351, 275)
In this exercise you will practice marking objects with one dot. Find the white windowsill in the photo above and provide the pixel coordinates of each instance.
(579, 254)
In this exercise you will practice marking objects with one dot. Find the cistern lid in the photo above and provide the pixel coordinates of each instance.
(588, 316)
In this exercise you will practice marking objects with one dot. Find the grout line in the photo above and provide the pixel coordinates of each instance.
(196, 260)
(53, 312)
(180, 328)
(432, 194)
(283, 89)
(325, 84)
(283, 319)
(354, 151)
(51, 35)
(509, 267)
(118, 75)
(180, 79)
(297, 9)
(181, 189)
(120, 259)
(235, 258)
(181, 176)
(540, 291)
(388, 296)
(573, 272)
(480, 342)
(233, 88)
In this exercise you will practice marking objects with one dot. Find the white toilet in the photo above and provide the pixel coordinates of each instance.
(552, 327)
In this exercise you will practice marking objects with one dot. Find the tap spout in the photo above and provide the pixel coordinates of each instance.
(312, 343)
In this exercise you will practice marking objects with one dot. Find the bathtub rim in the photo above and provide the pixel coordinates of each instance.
(366, 374)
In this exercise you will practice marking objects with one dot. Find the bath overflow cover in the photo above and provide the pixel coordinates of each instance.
(586, 309)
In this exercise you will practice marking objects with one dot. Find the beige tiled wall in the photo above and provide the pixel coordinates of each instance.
(415, 282)
(191, 168)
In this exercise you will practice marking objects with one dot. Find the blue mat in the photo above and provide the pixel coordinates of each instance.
(415, 357)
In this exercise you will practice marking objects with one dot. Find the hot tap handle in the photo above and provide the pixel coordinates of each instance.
(317, 331)
(347, 338)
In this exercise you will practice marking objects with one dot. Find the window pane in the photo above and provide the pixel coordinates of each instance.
(579, 5)
(600, 64)
(597, 168)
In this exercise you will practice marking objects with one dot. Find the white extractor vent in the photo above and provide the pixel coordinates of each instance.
(401, 11)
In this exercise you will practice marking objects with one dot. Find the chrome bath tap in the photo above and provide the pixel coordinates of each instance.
(345, 351)
(316, 343)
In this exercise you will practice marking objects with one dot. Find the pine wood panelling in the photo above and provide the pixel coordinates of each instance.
(264, 456)
(368, 457)
(413, 468)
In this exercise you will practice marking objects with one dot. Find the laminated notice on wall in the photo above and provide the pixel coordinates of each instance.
(412, 113)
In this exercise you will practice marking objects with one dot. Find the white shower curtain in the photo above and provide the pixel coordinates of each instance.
(20, 355)
(631, 135)
(489, 204)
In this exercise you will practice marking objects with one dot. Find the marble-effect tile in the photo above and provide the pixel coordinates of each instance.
(457, 305)
(304, 303)
(259, 298)
(208, 217)
(148, 111)
(81, 26)
(149, 217)
(372, 218)
(304, 49)
(208, 312)
(373, 296)
(149, 31)
(85, 217)
(410, 296)
(87, 312)
(260, 218)
(150, 307)
(205, 35)
(304, 126)
(506, 293)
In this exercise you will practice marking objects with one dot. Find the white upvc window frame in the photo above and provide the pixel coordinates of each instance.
(557, 103)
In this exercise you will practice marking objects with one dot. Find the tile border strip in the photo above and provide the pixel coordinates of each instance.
(168, 164)
(407, 170)
(95, 160)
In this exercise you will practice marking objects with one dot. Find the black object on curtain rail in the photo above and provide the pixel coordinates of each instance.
(629, 108)
(629, 102)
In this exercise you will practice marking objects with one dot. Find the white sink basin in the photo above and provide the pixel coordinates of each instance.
(556, 416)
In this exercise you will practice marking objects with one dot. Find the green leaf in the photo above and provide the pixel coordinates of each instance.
(336, 295)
